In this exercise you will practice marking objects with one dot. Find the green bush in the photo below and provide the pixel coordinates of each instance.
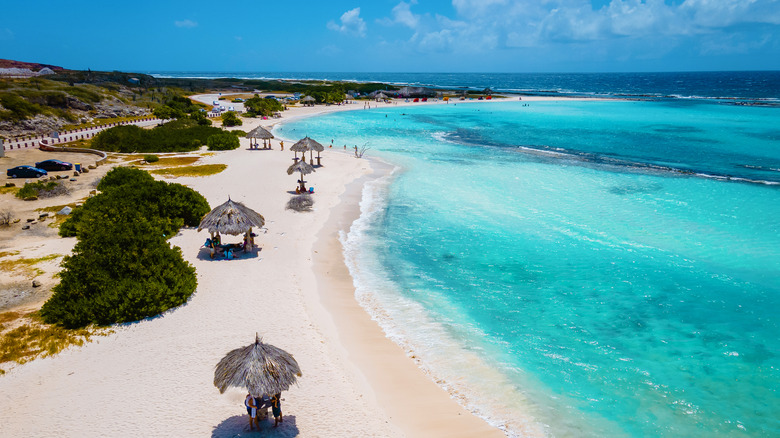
(231, 119)
(41, 190)
(168, 206)
(238, 133)
(182, 135)
(17, 108)
(122, 268)
(263, 107)
(151, 158)
(223, 142)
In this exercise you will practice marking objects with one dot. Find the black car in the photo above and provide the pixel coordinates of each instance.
(54, 165)
(25, 172)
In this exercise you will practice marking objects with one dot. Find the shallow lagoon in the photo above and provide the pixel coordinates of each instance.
(560, 264)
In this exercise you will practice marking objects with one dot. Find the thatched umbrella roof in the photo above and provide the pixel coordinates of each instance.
(300, 166)
(231, 218)
(259, 132)
(260, 368)
(308, 99)
(307, 144)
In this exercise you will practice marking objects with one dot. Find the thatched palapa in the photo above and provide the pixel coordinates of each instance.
(231, 218)
(260, 368)
(308, 144)
(304, 168)
(260, 133)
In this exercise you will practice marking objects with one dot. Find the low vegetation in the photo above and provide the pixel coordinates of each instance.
(258, 106)
(191, 171)
(39, 189)
(177, 136)
(26, 267)
(6, 216)
(223, 142)
(32, 338)
(122, 268)
(231, 119)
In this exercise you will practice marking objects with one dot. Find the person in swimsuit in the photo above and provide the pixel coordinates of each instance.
(276, 408)
(251, 409)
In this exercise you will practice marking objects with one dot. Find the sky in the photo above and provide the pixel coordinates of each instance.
(514, 36)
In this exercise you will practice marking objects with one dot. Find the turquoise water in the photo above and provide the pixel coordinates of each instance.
(560, 268)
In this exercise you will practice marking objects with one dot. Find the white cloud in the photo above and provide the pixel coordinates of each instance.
(402, 14)
(185, 23)
(351, 23)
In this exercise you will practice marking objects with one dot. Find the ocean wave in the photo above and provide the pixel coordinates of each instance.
(454, 363)
(584, 157)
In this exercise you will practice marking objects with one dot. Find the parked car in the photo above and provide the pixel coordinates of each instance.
(26, 172)
(54, 165)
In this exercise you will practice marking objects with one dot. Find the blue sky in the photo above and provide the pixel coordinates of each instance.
(396, 36)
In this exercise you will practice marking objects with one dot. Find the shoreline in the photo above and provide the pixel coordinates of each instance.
(153, 363)
(412, 400)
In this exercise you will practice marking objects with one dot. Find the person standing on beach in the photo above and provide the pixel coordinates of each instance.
(251, 409)
(281, 143)
(276, 408)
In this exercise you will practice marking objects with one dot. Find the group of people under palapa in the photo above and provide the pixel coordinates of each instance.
(215, 246)
(257, 405)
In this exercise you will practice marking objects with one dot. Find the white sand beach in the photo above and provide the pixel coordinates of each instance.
(154, 377)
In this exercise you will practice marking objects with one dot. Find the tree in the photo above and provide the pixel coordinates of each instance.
(122, 268)
(223, 142)
(264, 107)
(165, 112)
(231, 119)
(121, 271)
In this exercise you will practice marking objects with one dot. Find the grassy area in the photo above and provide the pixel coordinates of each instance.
(24, 266)
(204, 170)
(100, 122)
(171, 161)
(31, 338)
(11, 190)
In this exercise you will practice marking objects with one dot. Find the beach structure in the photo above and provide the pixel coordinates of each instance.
(232, 218)
(380, 97)
(308, 144)
(304, 168)
(308, 101)
(261, 368)
(259, 133)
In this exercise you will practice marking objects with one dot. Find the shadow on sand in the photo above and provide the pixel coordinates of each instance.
(205, 254)
(238, 426)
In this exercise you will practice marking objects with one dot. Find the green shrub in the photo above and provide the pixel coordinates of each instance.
(263, 107)
(151, 158)
(238, 133)
(223, 142)
(120, 271)
(122, 268)
(231, 119)
(168, 206)
(17, 108)
(182, 135)
(41, 190)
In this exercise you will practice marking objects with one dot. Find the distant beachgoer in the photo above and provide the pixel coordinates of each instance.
(281, 143)
(251, 409)
(276, 408)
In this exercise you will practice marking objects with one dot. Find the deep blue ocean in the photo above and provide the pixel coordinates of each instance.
(579, 268)
(738, 87)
